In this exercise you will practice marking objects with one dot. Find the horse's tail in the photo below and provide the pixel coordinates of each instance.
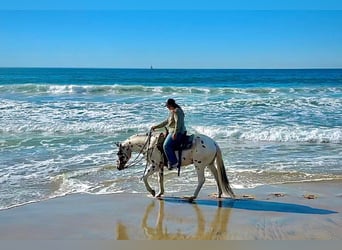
(222, 175)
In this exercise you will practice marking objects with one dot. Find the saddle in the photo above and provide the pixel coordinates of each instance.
(186, 143)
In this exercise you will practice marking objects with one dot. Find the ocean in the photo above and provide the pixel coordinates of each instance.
(58, 127)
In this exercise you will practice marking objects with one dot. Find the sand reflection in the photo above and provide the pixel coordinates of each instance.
(163, 222)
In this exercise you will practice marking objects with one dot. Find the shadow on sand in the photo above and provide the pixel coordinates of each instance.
(255, 205)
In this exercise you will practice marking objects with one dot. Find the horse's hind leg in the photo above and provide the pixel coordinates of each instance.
(214, 172)
(201, 180)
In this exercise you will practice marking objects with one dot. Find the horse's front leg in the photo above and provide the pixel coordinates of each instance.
(161, 181)
(147, 174)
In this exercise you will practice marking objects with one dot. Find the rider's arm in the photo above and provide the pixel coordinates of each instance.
(161, 125)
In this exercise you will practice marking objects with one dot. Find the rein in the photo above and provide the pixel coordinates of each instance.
(147, 156)
(136, 160)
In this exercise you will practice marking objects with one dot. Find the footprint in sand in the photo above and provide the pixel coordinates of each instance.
(310, 196)
(278, 194)
(248, 197)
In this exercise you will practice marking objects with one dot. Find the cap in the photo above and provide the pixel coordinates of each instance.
(170, 102)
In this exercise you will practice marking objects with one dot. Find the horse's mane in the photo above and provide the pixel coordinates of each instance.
(139, 135)
(135, 136)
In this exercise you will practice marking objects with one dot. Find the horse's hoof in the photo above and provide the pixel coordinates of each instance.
(153, 193)
(159, 195)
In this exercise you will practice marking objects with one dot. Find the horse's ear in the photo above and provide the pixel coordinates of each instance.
(118, 144)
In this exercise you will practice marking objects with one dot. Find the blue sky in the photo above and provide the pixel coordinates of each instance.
(170, 38)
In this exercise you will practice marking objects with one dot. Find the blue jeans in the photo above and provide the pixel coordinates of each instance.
(170, 145)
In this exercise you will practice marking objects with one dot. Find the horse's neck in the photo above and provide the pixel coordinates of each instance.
(137, 142)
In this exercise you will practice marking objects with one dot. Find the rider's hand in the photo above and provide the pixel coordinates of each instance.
(174, 136)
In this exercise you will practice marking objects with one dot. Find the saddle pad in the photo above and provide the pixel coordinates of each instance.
(187, 142)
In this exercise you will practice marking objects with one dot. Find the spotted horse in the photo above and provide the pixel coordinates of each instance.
(203, 153)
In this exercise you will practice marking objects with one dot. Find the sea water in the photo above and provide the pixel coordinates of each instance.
(58, 127)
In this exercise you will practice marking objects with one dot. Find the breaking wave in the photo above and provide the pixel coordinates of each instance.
(116, 89)
(275, 134)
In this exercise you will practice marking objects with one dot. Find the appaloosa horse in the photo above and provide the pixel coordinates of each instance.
(204, 152)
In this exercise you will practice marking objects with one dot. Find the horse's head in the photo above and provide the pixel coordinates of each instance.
(124, 154)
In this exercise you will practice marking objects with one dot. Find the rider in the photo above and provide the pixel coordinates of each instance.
(175, 124)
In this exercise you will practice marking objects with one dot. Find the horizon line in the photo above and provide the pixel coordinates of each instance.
(166, 68)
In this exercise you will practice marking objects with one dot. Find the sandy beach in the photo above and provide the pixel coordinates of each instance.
(287, 212)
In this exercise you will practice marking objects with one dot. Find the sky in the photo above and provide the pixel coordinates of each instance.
(165, 36)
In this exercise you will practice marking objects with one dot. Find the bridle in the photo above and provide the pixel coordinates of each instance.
(137, 160)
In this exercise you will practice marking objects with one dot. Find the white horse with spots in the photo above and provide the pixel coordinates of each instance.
(204, 153)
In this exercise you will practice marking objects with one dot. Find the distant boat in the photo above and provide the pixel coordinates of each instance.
(151, 67)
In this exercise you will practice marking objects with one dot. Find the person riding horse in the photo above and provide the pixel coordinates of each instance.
(203, 152)
(177, 130)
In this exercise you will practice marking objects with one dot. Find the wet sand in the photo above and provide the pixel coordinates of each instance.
(289, 212)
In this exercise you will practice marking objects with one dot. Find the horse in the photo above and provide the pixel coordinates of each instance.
(203, 153)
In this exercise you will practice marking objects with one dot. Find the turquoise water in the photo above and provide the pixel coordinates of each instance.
(58, 126)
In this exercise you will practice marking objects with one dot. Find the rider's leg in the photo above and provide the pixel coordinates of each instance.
(169, 148)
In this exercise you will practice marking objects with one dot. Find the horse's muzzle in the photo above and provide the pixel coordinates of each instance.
(120, 166)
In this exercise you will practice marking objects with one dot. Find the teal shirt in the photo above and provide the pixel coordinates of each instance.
(175, 122)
